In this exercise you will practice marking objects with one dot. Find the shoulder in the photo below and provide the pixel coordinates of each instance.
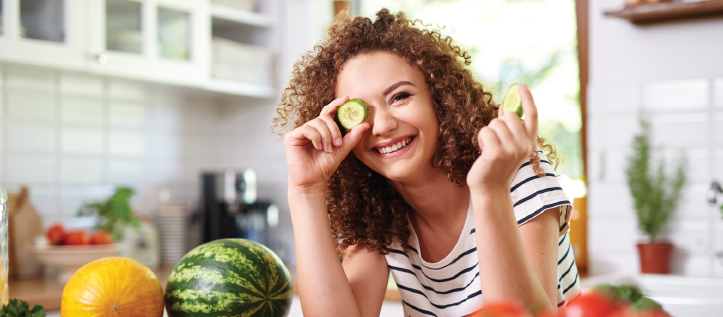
(533, 194)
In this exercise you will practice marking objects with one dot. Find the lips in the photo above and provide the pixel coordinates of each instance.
(394, 146)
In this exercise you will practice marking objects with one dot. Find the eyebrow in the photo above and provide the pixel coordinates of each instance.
(394, 86)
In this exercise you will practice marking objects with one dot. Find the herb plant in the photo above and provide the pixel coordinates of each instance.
(20, 308)
(115, 214)
(655, 197)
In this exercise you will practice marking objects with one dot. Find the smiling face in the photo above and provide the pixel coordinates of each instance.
(403, 134)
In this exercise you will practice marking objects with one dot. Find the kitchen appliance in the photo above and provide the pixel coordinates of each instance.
(230, 208)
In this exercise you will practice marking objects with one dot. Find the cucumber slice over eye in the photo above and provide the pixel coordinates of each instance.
(512, 101)
(352, 113)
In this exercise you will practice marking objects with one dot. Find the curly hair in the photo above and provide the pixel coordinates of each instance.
(362, 205)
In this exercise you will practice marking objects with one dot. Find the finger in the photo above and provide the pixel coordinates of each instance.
(331, 108)
(323, 131)
(499, 111)
(517, 129)
(528, 106)
(313, 136)
(353, 137)
(489, 139)
(507, 141)
(333, 129)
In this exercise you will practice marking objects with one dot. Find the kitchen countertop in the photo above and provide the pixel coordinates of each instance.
(45, 291)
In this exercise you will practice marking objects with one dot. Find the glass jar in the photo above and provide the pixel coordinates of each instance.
(3, 247)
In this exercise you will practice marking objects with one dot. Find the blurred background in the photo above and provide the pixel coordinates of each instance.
(173, 100)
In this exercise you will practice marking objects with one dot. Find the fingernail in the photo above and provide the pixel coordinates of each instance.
(337, 141)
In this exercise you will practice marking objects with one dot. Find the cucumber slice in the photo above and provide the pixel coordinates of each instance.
(512, 101)
(352, 113)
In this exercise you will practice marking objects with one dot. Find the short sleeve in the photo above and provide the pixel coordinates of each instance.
(532, 194)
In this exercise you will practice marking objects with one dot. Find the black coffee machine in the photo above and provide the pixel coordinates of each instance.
(230, 209)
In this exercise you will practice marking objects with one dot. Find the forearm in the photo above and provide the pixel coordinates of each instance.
(323, 286)
(505, 270)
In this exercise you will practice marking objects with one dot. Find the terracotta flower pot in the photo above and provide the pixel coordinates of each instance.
(655, 257)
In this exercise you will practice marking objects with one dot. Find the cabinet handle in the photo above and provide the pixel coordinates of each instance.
(102, 58)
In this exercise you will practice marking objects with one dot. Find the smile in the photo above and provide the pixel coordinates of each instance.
(395, 146)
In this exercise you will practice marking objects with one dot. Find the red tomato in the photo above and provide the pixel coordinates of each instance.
(77, 237)
(501, 309)
(632, 313)
(547, 314)
(591, 305)
(55, 234)
(101, 237)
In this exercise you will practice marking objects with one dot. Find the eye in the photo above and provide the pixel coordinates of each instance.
(400, 96)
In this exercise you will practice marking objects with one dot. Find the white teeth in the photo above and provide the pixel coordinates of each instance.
(394, 147)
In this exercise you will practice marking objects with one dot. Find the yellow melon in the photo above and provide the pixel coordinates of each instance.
(113, 287)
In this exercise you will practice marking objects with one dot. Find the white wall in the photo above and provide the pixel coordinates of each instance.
(73, 137)
(674, 71)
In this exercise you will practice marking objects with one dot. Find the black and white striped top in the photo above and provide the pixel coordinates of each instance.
(451, 287)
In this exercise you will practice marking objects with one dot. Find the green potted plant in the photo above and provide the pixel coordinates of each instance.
(655, 198)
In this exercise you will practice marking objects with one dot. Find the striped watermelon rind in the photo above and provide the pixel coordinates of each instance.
(229, 277)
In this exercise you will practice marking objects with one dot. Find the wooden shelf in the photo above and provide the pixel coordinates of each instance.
(238, 16)
(666, 11)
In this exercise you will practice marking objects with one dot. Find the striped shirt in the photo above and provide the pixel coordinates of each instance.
(451, 287)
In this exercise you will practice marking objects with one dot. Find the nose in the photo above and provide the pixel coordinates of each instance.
(382, 121)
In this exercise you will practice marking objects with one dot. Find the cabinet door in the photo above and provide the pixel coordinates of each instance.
(154, 40)
(49, 33)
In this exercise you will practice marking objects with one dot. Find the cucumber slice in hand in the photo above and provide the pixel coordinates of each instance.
(512, 101)
(352, 113)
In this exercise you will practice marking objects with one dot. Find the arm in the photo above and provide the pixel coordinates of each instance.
(323, 287)
(313, 153)
(326, 287)
(540, 237)
(368, 274)
(514, 263)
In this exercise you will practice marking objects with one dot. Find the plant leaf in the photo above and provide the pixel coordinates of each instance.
(38, 311)
(655, 198)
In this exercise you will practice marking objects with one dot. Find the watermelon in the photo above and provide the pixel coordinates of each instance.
(229, 277)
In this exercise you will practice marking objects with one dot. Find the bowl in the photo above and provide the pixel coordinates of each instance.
(70, 258)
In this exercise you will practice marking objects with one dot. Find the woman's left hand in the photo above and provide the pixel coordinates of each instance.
(506, 143)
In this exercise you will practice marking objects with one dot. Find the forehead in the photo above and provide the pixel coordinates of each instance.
(373, 72)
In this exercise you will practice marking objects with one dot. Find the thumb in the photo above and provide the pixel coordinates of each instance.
(351, 139)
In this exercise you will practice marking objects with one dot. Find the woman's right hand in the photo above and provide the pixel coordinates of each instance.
(315, 149)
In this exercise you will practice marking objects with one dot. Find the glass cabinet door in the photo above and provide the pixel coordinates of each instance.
(174, 30)
(154, 40)
(123, 21)
(43, 20)
(47, 33)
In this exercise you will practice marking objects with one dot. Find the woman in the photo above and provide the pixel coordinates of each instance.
(434, 172)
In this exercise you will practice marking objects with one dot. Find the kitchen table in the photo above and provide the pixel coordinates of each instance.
(45, 291)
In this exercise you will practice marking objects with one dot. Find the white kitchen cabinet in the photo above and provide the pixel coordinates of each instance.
(158, 41)
(163, 41)
(48, 33)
